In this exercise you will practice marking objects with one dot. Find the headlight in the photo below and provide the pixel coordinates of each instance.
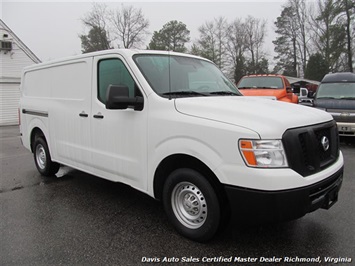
(263, 153)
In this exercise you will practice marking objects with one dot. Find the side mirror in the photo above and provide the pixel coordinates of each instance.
(117, 97)
(304, 92)
(311, 94)
(289, 90)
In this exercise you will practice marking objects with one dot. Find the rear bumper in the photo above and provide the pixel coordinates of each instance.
(257, 206)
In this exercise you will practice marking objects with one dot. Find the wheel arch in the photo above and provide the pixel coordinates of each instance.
(176, 161)
(36, 132)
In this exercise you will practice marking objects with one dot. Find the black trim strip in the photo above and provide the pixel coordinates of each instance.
(37, 113)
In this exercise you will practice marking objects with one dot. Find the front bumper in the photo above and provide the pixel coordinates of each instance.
(251, 206)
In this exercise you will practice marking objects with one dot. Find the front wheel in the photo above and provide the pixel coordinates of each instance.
(191, 204)
(43, 159)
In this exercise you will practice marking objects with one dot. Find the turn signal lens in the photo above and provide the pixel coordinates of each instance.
(263, 153)
(246, 147)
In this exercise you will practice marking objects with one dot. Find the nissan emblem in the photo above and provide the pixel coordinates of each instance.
(325, 143)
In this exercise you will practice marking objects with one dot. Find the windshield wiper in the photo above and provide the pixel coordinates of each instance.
(184, 93)
(243, 88)
(347, 98)
(224, 93)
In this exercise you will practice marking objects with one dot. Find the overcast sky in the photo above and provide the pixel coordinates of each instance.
(51, 28)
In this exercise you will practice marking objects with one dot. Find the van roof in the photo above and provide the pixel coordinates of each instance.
(345, 77)
(124, 52)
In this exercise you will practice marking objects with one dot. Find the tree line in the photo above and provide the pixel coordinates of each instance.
(312, 40)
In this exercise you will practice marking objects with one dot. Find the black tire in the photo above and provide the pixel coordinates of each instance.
(43, 159)
(191, 204)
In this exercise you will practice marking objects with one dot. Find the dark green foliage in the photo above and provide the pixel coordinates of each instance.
(172, 37)
(96, 40)
(317, 67)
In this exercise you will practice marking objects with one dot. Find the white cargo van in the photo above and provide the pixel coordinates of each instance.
(172, 126)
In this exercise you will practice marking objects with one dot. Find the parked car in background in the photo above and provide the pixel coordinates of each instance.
(268, 85)
(336, 95)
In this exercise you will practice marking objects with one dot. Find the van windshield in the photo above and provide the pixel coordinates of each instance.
(261, 83)
(336, 91)
(178, 76)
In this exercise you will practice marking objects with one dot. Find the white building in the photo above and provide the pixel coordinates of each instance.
(14, 56)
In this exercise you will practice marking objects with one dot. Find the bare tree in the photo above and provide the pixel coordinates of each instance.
(255, 36)
(212, 40)
(98, 37)
(221, 34)
(97, 17)
(329, 35)
(129, 26)
(302, 27)
(348, 8)
(236, 47)
(293, 43)
(207, 41)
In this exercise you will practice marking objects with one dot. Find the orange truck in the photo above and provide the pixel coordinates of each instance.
(268, 85)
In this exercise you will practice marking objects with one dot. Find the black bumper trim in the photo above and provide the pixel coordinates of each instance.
(249, 206)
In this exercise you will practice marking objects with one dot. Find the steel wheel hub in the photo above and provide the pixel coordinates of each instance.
(41, 156)
(189, 205)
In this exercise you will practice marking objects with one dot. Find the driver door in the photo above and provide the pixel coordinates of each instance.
(119, 137)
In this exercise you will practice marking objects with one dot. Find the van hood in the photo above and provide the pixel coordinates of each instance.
(270, 119)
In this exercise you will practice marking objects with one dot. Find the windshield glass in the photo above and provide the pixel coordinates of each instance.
(178, 76)
(261, 83)
(336, 91)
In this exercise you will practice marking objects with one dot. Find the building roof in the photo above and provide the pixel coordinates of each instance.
(19, 43)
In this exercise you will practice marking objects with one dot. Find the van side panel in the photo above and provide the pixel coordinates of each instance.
(57, 100)
(34, 102)
(69, 112)
(37, 84)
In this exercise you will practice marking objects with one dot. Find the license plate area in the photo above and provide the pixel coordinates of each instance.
(344, 129)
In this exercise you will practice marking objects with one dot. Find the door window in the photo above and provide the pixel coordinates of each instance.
(114, 72)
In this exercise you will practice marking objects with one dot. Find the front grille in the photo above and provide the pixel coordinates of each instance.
(324, 155)
(307, 147)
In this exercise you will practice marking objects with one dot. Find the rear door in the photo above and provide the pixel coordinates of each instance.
(119, 137)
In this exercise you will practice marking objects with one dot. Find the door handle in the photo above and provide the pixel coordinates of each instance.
(83, 114)
(99, 116)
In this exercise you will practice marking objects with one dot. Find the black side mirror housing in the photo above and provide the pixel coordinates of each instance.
(311, 94)
(117, 97)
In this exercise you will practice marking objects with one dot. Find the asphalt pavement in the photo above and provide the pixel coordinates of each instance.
(78, 219)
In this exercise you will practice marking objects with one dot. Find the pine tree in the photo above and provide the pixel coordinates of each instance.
(96, 40)
(172, 37)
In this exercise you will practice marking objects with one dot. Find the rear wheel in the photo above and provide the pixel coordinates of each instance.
(191, 204)
(43, 159)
